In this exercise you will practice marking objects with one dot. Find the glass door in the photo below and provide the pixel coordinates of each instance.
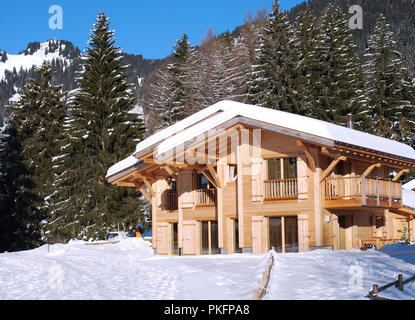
(283, 234)
(209, 237)
(291, 234)
(275, 234)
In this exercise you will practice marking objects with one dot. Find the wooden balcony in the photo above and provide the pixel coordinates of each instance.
(206, 197)
(362, 191)
(286, 189)
(171, 201)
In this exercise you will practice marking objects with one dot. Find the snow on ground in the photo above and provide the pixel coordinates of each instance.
(127, 270)
(130, 270)
(341, 275)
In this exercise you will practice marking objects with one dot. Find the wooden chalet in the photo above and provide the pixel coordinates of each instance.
(240, 178)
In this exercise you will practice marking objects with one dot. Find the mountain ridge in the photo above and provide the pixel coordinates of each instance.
(65, 60)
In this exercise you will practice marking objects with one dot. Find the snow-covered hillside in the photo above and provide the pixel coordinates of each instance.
(130, 270)
(27, 60)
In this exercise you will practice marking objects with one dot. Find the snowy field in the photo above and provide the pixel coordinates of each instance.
(130, 270)
(341, 275)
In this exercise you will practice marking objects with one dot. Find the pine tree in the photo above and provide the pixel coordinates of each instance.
(390, 91)
(105, 133)
(180, 93)
(306, 32)
(337, 76)
(276, 76)
(27, 160)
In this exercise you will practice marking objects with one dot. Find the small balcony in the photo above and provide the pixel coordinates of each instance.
(362, 191)
(286, 189)
(205, 197)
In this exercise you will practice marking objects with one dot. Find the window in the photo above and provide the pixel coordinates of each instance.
(232, 173)
(280, 169)
(175, 246)
(202, 182)
(173, 188)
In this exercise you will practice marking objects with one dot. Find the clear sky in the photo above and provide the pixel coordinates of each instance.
(146, 27)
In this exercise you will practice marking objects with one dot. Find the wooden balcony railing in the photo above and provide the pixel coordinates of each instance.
(281, 189)
(367, 190)
(171, 201)
(205, 197)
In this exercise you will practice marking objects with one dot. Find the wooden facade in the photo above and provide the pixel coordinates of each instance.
(275, 189)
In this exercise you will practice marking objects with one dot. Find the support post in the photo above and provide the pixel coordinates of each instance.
(363, 191)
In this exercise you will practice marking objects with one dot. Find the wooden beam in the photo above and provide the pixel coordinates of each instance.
(145, 194)
(396, 178)
(365, 156)
(370, 169)
(327, 153)
(151, 161)
(404, 211)
(330, 168)
(126, 184)
(180, 165)
(214, 175)
(207, 175)
(146, 182)
(169, 170)
(308, 155)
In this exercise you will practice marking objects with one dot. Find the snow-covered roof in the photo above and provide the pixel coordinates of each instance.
(410, 185)
(408, 199)
(222, 112)
(129, 162)
(314, 127)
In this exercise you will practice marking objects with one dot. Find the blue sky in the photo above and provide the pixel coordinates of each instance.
(145, 27)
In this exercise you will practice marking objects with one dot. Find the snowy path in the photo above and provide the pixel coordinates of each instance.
(337, 275)
(125, 271)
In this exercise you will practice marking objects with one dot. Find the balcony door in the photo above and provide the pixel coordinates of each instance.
(281, 180)
(283, 234)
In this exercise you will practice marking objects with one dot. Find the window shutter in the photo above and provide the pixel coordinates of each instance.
(257, 234)
(256, 181)
(302, 179)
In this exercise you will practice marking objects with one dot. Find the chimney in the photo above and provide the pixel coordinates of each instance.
(350, 121)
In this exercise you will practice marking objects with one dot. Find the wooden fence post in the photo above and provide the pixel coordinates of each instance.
(400, 282)
(375, 290)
